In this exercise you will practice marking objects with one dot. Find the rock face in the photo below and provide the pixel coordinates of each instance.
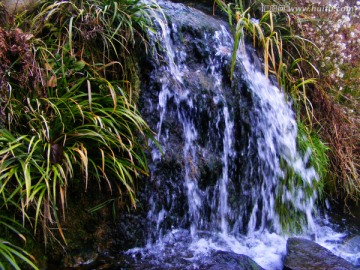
(188, 99)
(303, 254)
(213, 131)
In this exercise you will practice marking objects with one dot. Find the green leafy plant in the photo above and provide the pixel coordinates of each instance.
(13, 255)
(89, 135)
(69, 111)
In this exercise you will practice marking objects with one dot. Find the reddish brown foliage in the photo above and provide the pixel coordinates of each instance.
(341, 134)
(16, 60)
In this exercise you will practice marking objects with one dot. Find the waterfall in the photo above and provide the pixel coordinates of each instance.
(220, 177)
(269, 140)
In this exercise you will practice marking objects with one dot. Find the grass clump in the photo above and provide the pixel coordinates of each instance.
(67, 110)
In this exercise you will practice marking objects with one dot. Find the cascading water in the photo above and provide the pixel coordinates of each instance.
(271, 135)
(227, 147)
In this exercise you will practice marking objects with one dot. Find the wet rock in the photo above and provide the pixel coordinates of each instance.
(230, 261)
(303, 254)
(190, 121)
(219, 260)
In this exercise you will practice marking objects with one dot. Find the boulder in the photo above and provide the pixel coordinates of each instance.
(303, 254)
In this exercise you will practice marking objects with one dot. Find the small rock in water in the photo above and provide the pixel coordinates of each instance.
(79, 258)
(303, 254)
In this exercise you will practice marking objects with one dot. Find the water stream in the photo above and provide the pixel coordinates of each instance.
(227, 147)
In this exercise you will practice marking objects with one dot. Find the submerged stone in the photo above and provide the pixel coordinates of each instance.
(303, 254)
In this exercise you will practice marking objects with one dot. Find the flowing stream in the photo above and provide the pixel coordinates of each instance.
(228, 147)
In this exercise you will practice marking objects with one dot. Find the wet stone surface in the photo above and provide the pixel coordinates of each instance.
(304, 254)
(220, 260)
(230, 261)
